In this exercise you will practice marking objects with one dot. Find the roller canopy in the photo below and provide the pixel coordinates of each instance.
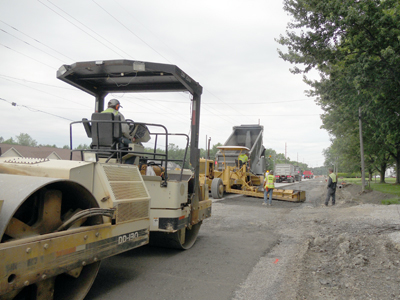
(99, 78)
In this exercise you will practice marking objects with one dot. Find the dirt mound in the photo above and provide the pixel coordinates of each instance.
(350, 266)
(347, 251)
(350, 253)
(351, 193)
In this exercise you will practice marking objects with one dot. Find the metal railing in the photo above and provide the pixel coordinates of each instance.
(117, 152)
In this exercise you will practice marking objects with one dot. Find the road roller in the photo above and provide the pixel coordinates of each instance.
(60, 218)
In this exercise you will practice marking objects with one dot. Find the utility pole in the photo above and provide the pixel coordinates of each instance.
(337, 165)
(362, 152)
(285, 152)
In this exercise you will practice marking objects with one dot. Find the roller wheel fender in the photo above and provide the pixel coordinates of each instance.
(35, 206)
(217, 188)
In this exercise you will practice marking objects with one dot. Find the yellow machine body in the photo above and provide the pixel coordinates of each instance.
(39, 251)
(60, 218)
(239, 180)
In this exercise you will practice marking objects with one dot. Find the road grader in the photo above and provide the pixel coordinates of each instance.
(228, 175)
(60, 218)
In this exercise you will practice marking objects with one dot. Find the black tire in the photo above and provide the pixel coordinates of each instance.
(217, 188)
(173, 240)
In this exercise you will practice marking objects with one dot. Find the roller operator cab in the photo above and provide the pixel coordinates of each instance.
(60, 218)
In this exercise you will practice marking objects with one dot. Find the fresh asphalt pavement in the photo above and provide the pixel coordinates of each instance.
(229, 245)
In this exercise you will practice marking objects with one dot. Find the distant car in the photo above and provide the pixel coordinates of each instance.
(378, 176)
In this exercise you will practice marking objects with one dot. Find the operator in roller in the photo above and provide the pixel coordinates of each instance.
(113, 107)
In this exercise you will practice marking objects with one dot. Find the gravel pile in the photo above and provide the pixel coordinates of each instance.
(349, 251)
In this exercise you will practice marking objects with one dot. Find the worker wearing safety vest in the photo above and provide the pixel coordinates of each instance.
(113, 107)
(243, 159)
(269, 185)
(332, 182)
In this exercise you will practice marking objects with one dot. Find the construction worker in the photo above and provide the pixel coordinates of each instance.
(332, 182)
(243, 159)
(269, 185)
(113, 107)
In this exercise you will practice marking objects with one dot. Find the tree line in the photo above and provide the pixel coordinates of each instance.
(25, 139)
(175, 153)
(355, 48)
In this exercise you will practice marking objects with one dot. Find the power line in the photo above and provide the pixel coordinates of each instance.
(27, 56)
(130, 31)
(46, 92)
(30, 45)
(34, 109)
(264, 102)
(274, 115)
(89, 28)
(136, 20)
(127, 28)
(225, 103)
(79, 28)
(37, 40)
(35, 82)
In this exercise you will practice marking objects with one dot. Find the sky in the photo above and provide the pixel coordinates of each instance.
(228, 47)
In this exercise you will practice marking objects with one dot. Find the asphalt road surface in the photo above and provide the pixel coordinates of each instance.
(240, 232)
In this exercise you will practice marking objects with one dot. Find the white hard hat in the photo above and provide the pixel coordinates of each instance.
(114, 103)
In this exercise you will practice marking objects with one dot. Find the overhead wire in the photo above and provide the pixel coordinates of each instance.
(36, 40)
(27, 56)
(204, 108)
(165, 108)
(264, 102)
(264, 115)
(112, 16)
(40, 83)
(30, 44)
(127, 28)
(45, 92)
(34, 109)
(127, 11)
(90, 29)
(79, 28)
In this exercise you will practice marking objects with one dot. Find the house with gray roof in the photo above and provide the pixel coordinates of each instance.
(9, 150)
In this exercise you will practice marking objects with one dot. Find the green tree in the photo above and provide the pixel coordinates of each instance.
(214, 150)
(10, 141)
(355, 47)
(177, 154)
(25, 139)
(82, 147)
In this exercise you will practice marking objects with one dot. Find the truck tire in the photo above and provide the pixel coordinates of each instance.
(217, 188)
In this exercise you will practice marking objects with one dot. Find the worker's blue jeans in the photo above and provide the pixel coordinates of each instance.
(270, 191)
(125, 141)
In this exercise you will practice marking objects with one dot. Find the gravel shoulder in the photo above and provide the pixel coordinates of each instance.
(348, 251)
